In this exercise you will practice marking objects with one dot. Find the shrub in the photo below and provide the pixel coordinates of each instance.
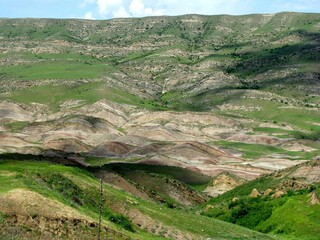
(122, 221)
(62, 185)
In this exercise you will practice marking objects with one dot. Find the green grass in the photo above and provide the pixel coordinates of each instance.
(289, 217)
(100, 161)
(9, 182)
(79, 189)
(295, 219)
(272, 131)
(198, 187)
(255, 151)
(91, 92)
(42, 57)
(59, 69)
(54, 95)
(302, 119)
(17, 126)
(69, 185)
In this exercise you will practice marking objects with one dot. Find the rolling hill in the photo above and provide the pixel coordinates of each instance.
(167, 111)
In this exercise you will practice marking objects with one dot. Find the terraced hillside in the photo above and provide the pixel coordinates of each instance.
(173, 110)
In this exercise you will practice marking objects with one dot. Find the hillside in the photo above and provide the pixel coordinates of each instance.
(252, 80)
(285, 203)
(168, 111)
(46, 201)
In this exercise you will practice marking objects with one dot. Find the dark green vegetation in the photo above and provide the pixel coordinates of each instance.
(79, 189)
(287, 206)
(291, 216)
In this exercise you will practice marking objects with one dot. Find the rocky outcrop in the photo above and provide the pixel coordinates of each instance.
(255, 193)
(223, 183)
(294, 185)
(278, 194)
(314, 199)
(13, 112)
(267, 192)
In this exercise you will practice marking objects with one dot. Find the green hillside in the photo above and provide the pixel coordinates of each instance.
(79, 190)
(279, 203)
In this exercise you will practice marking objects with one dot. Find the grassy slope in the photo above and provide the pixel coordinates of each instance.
(289, 217)
(303, 219)
(26, 174)
(255, 151)
(55, 70)
(90, 92)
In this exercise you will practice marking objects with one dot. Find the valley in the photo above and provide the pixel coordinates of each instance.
(200, 127)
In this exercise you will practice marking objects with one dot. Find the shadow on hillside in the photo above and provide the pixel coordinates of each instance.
(207, 99)
(56, 157)
(264, 60)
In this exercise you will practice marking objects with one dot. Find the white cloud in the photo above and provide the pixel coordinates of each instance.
(137, 9)
(210, 7)
(86, 2)
(89, 16)
(121, 13)
(105, 6)
(141, 8)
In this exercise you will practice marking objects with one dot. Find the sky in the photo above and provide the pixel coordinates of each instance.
(108, 9)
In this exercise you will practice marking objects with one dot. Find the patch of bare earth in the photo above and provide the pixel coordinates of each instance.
(29, 215)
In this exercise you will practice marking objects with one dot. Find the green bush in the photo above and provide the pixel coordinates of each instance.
(170, 203)
(122, 221)
(313, 136)
(64, 186)
(247, 212)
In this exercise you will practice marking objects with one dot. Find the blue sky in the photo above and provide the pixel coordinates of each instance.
(106, 9)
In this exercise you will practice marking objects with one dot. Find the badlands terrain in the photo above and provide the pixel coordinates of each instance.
(190, 122)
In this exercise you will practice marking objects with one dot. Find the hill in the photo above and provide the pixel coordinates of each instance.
(284, 203)
(44, 200)
(166, 111)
